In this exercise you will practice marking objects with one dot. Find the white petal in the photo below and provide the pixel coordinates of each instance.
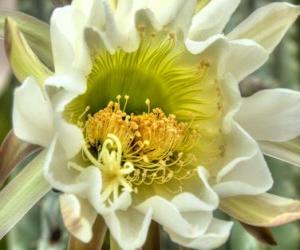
(271, 115)
(129, 228)
(246, 178)
(70, 136)
(78, 216)
(232, 95)
(66, 179)
(183, 19)
(62, 49)
(197, 195)
(267, 25)
(212, 19)
(67, 34)
(239, 57)
(70, 80)
(32, 114)
(216, 235)
(165, 11)
(186, 224)
(244, 57)
(247, 172)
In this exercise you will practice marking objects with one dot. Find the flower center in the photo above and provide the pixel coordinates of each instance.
(133, 150)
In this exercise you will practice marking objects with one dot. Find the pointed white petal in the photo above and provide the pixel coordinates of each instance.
(197, 195)
(186, 224)
(246, 171)
(69, 136)
(129, 228)
(267, 25)
(72, 81)
(66, 179)
(166, 11)
(32, 114)
(271, 115)
(22, 193)
(239, 57)
(212, 19)
(78, 216)
(215, 236)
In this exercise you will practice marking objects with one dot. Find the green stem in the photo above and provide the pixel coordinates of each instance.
(99, 231)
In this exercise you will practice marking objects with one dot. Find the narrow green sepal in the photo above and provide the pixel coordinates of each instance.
(22, 193)
(22, 59)
(36, 32)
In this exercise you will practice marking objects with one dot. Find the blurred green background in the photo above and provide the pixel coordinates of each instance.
(42, 227)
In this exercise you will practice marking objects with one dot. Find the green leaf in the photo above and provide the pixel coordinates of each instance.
(286, 151)
(35, 31)
(13, 151)
(22, 193)
(22, 59)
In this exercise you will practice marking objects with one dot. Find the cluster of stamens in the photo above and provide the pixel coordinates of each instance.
(144, 149)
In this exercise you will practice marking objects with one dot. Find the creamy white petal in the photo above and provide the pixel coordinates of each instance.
(197, 195)
(72, 81)
(246, 172)
(186, 224)
(271, 115)
(216, 235)
(78, 216)
(58, 174)
(183, 19)
(69, 136)
(248, 177)
(67, 33)
(129, 228)
(70, 52)
(212, 19)
(32, 114)
(166, 11)
(232, 95)
(267, 25)
(244, 57)
(238, 58)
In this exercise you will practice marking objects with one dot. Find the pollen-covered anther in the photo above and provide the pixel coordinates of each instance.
(157, 146)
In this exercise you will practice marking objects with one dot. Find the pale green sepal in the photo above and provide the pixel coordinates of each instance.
(23, 61)
(22, 193)
(265, 210)
(286, 151)
(36, 32)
